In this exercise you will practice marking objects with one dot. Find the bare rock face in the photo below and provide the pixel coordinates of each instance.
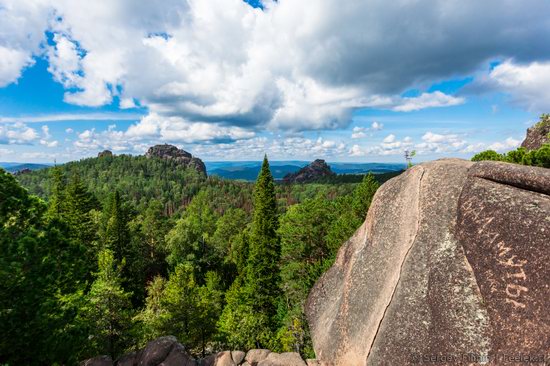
(238, 357)
(537, 135)
(171, 152)
(105, 154)
(310, 173)
(450, 265)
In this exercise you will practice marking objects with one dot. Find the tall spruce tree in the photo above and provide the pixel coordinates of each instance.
(262, 272)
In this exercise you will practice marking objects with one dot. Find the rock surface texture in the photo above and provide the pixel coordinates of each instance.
(451, 266)
(537, 135)
(171, 152)
(310, 173)
(166, 351)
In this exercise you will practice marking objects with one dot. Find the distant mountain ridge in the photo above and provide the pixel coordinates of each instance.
(248, 170)
(16, 167)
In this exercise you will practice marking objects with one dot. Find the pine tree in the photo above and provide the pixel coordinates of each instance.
(108, 308)
(117, 235)
(79, 206)
(56, 206)
(153, 231)
(262, 272)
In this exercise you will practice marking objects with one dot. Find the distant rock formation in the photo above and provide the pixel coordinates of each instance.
(310, 173)
(105, 154)
(537, 135)
(171, 152)
(23, 171)
(166, 351)
(452, 261)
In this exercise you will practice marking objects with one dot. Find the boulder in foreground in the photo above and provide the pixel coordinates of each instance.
(451, 264)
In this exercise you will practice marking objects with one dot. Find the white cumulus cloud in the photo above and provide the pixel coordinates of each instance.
(293, 66)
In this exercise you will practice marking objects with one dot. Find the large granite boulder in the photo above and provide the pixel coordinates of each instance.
(450, 266)
(171, 152)
(318, 169)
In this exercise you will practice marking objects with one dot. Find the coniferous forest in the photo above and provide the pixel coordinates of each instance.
(102, 255)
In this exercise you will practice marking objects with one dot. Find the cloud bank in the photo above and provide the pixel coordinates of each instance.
(219, 70)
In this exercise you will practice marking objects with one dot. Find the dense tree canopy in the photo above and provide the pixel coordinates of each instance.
(127, 249)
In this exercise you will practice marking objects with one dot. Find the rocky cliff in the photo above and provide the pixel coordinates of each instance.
(537, 135)
(181, 156)
(450, 265)
(310, 173)
(105, 154)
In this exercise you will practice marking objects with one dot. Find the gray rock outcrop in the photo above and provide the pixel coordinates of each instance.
(105, 154)
(316, 170)
(450, 265)
(537, 135)
(171, 152)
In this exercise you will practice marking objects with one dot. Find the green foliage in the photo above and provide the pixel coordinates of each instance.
(488, 155)
(138, 177)
(362, 197)
(544, 121)
(107, 310)
(262, 277)
(39, 264)
(190, 240)
(116, 235)
(216, 263)
(154, 317)
(150, 230)
(248, 320)
(539, 157)
(182, 308)
(239, 325)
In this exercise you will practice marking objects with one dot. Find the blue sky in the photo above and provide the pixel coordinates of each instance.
(277, 79)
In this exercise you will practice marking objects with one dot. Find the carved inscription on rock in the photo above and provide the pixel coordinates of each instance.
(504, 231)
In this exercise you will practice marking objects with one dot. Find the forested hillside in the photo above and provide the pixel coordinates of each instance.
(120, 250)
